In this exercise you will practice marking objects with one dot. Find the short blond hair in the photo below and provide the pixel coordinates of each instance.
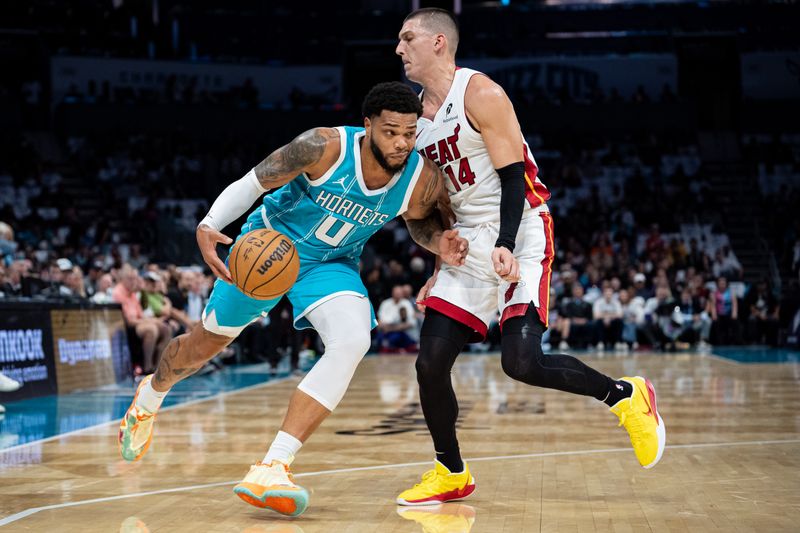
(436, 20)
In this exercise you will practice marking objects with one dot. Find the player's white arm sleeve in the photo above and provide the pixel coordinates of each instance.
(234, 201)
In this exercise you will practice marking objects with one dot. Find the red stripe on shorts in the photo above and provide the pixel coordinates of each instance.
(460, 315)
(547, 269)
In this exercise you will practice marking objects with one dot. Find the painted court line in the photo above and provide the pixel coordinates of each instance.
(170, 408)
(34, 510)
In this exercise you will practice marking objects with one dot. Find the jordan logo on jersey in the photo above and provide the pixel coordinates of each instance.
(444, 152)
(340, 181)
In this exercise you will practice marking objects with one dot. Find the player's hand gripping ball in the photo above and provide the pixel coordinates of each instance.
(264, 264)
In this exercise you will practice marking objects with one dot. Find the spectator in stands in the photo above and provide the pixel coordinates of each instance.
(632, 317)
(696, 258)
(723, 307)
(12, 283)
(153, 333)
(102, 293)
(7, 244)
(73, 283)
(640, 287)
(607, 311)
(726, 264)
(762, 320)
(55, 274)
(696, 326)
(580, 329)
(396, 323)
(195, 298)
(660, 327)
(155, 300)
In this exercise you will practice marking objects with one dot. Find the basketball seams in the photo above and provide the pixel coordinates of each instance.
(243, 286)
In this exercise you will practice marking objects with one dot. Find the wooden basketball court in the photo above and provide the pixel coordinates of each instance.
(543, 460)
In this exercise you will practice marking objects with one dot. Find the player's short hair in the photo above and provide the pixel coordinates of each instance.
(391, 96)
(437, 20)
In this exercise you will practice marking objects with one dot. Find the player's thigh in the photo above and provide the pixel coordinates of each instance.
(535, 253)
(319, 283)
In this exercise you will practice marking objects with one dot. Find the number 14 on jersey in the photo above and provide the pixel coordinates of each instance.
(465, 175)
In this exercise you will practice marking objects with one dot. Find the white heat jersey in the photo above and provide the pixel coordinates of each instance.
(452, 142)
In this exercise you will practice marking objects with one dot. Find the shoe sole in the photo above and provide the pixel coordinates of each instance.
(452, 496)
(289, 502)
(661, 430)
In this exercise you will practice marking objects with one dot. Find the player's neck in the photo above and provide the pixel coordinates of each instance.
(437, 84)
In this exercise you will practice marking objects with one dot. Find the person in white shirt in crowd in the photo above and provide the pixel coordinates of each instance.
(397, 322)
(607, 312)
(196, 297)
(632, 317)
(726, 264)
(102, 293)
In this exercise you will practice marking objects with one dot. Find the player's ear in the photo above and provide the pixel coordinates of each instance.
(367, 123)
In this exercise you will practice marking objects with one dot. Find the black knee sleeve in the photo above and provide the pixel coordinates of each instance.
(523, 360)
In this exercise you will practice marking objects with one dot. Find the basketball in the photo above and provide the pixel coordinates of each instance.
(264, 264)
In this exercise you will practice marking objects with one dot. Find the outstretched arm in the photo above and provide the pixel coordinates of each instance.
(428, 217)
(308, 152)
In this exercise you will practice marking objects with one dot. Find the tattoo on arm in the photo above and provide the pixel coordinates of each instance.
(423, 230)
(306, 149)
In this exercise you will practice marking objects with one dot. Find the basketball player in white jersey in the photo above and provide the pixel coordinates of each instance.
(374, 170)
(469, 127)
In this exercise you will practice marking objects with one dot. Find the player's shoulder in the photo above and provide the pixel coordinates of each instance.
(323, 142)
(482, 87)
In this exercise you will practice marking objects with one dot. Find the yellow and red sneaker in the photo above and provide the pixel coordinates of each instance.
(644, 424)
(272, 486)
(439, 485)
(136, 428)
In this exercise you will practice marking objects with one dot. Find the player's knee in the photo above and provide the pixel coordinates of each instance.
(430, 369)
(355, 343)
(520, 359)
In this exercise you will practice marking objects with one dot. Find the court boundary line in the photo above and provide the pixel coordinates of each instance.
(33, 510)
(169, 408)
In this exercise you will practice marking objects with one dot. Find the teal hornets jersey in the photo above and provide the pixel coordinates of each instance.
(333, 216)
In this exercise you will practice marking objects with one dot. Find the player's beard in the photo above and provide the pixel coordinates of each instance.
(376, 152)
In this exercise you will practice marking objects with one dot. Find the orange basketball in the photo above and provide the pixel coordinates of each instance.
(264, 264)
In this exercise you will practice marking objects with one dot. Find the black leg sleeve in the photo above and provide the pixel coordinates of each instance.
(440, 342)
(523, 360)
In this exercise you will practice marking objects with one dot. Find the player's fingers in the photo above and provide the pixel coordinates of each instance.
(221, 270)
(224, 239)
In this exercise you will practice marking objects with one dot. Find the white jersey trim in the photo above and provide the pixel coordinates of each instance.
(412, 185)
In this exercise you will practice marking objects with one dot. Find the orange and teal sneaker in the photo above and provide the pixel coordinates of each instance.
(445, 518)
(136, 428)
(272, 486)
(439, 485)
(640, 417)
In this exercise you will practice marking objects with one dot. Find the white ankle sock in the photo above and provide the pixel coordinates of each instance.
(283, 449)
(149, 398)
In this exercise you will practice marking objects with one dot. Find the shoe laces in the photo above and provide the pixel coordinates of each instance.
(427, 478)
(634, 424)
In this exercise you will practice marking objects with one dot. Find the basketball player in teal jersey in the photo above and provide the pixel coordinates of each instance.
(337, 186)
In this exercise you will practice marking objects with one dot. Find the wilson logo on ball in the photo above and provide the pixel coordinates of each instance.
(264, 264)
(284, 247)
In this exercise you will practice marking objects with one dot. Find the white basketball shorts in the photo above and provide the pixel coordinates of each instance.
(473, 293)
